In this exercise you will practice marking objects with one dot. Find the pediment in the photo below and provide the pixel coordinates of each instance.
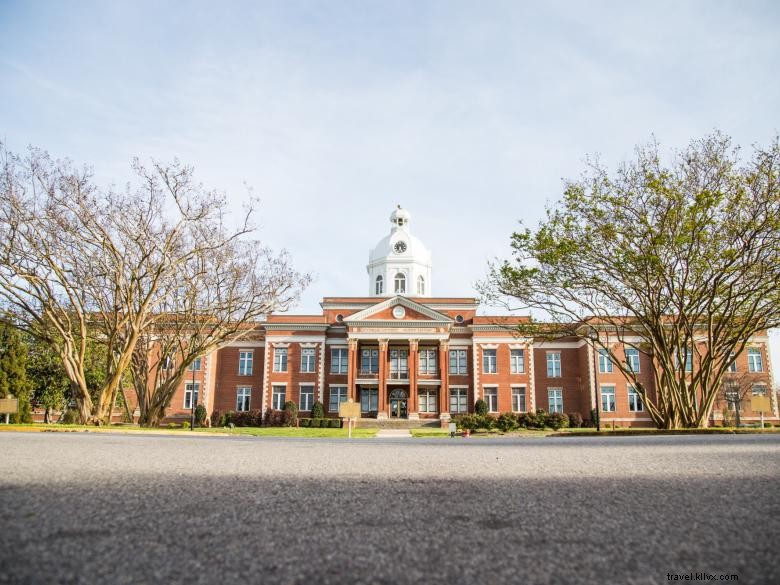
(384, 311)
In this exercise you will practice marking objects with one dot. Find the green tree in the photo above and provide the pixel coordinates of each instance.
(50, 383)
(680, 261)
(13, 371)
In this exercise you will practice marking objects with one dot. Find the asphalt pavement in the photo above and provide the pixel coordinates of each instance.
(103, 508)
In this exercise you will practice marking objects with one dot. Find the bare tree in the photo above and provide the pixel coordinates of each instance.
(681, 262)
(220, 298)
(78, 263)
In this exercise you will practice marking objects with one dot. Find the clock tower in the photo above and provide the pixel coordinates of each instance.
(399, 264)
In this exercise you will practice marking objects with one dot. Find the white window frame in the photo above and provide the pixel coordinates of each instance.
(379, 285)
(336, 390)
(633, 359)
(555, 400)
(605, 362)
(427, 360)
(373, 360)
(309, 391)
(488, 363)
(275, 395)
(553, 361)
(339, 360)
(732, 367)
(420, 285)
(243, 395)
(427, 401)
(458, 362)
(460, 397)
(246, 359)
(519, 399)
(490, 392)
(755, 360)
(195, 365)
(308, 360)
(280, 359)
(516, 361)
(759, 390)
(607, 391)
(635, 405)
(400, 283)
(187, 394)
(369, 396)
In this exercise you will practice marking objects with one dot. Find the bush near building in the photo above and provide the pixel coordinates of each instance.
(512, 421)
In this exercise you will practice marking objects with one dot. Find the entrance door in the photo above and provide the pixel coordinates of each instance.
(398, 404)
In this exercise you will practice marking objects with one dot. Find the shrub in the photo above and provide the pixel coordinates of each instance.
(575, 420)
(217, 418)
(335, 423)
(173, 426)
(292, 409)
(465, 422)
(557, 420)
(767, 425)
(317, 410)
(594, 418)
(507, 422)
(304, 422)
(485, 422)
(481, 407)
(70, 416)
(185, 425)
(200, 415)
(314, 423)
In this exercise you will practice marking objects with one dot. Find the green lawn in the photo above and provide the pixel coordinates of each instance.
(253, 431)
(291, 432)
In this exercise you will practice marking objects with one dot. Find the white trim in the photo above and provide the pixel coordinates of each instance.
(488, 345)
(242, 344)
(428, 382)
(561, 344)
(405, 335)
(362, 316)
(503, 340)
(460, 386)
(312, 345)
(531, 400)
(280, 344)
(321, 374)
(274, 340)
(339, 342)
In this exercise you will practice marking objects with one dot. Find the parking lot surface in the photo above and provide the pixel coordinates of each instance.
(103, 508)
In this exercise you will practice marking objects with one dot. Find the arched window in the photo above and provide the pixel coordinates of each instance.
(400, 283)
(379, 285)
(420, 285)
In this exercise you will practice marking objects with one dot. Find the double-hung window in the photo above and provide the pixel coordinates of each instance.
(488, 361)
(458, 365)
(195, 365)
(338, 360)
(553, 364)
(243, 397)
(307, 359)
(608, 399)
(759, 390)
(516, 361)
(426, 401)
(338, 394)
(369, 399)
(605, 363)
(188, 394)
(306, 400)
(634, 400)
(369, 361)
(278, 397)
(555, 400)
(399, 364)
(518, 399)
(459, 400)
(280, 359)
(491, 397)
(755, 363)
(632, 360)
(245, 359)
(427, 361)
(732, 367)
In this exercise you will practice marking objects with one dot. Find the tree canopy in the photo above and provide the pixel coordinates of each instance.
(674, 258)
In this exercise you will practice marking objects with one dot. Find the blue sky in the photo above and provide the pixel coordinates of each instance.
(469, 114)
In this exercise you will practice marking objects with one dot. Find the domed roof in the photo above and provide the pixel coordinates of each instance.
(400, 244)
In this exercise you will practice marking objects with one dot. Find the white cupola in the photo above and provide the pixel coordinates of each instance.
(399, 264)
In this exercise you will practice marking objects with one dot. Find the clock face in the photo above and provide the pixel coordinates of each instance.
(400, 247)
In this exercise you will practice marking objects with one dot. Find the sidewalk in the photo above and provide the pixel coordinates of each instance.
(394, 434)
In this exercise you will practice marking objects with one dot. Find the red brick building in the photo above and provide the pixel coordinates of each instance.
(404, 354)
